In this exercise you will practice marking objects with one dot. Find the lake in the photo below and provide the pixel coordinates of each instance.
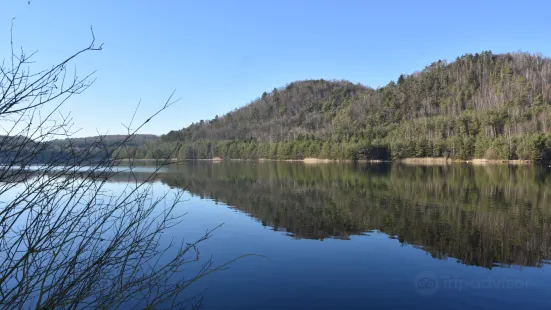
(368, 236)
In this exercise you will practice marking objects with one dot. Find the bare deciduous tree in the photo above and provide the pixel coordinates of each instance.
(66, 241)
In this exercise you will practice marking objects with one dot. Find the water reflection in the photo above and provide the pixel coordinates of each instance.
(485, 216)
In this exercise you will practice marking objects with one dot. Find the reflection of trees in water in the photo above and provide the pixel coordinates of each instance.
(482, 216)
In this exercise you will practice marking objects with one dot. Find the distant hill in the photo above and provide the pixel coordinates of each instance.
(26, 151)
(108, 140)
(478, 106)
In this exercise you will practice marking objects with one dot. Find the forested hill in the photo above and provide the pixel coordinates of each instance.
(478, 106)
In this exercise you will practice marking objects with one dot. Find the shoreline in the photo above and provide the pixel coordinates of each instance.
(405, 161)
(474, 161)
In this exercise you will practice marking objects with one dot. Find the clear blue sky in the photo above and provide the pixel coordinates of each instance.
(220, 55)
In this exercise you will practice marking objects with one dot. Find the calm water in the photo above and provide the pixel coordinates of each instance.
(370, 236)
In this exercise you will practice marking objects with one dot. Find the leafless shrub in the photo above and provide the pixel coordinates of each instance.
(65, 240)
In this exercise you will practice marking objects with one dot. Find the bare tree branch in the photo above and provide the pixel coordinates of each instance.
(66, 240)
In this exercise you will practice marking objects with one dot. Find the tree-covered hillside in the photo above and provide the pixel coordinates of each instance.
(478, 106)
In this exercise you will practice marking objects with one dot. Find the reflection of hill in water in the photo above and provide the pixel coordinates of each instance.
(484, 216)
